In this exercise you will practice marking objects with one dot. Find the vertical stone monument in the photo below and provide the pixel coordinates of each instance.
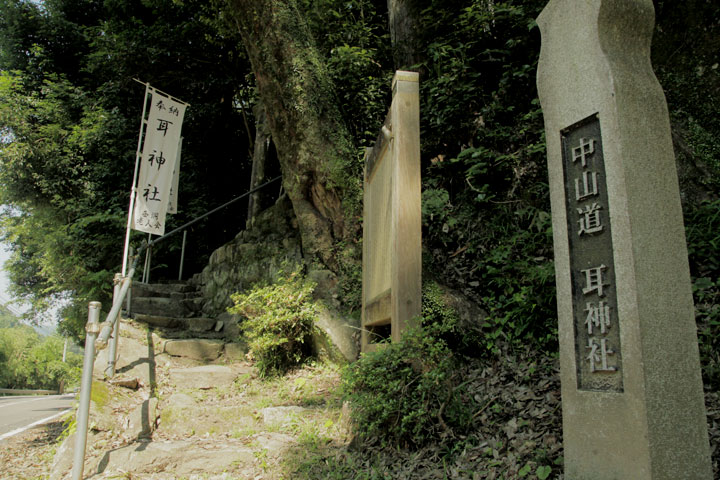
(392, 248)
(633, 404)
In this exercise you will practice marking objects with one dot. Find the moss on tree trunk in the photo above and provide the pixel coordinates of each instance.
(321, 172)
(403, 22)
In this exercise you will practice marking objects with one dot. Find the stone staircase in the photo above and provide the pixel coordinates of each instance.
(186, 401)
(175, 311)
(168, 417)
(157, 375)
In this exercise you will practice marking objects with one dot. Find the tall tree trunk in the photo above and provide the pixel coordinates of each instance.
(260, 153)
(314, 147)
(402, 17)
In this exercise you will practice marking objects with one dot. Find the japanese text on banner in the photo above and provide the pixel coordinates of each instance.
(162, 137)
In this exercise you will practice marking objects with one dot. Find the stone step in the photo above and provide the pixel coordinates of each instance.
(182, 459)
(191, 324)
(195, 458)
(165, 307)
(169, 290)
(178, 334)
(195, 348)
(203, 377)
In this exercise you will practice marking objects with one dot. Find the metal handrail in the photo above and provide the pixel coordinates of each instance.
(98, 334)
(94, 342)
(183, 228)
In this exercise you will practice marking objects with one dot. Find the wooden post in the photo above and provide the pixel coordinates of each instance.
(392, 247)
(406, 270)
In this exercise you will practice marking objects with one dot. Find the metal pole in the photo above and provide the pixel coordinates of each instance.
(128, 306)
(146, 266)
(112, 353)
(108, 325)
(149, 263)
(91, 328)
(182, 255)
(133, 190)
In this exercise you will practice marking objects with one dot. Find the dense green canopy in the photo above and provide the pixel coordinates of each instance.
(69, 113)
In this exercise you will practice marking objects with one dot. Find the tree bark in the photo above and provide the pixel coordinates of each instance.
(260, 153)
(314, 147)
(402, 17)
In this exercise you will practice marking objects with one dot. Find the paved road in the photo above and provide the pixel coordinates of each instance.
(18, 413)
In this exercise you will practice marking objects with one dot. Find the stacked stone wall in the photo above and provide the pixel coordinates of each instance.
(256, 256)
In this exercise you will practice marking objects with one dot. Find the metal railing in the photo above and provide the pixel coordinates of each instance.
(101, 335)
(183, 228)
(15, 391)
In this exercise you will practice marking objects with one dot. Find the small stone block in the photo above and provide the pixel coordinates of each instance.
(131, 383)
(203, 377)
(197, 349)
(280, 415)
(235, 352)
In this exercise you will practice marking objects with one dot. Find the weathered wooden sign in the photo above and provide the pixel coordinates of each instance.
(392, 250)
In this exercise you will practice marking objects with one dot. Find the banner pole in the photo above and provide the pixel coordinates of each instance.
(160, 92)
(133, 190)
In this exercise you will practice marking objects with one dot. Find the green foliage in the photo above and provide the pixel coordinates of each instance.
(486, 221)
(15, 345)
(353, 38)
(51, 191)
(501, 256)
(278, 324)
(69, 116)
(31, 362)
(684, 54)
(475, 91)
(410, 393)
(7, 318)
(519, 277)
(703, 237)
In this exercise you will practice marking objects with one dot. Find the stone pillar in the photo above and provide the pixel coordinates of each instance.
(633, 404)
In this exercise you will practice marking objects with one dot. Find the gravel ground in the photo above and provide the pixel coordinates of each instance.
(503, 445)
(28, 455)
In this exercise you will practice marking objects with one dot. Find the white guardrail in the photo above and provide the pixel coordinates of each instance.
(14, 391)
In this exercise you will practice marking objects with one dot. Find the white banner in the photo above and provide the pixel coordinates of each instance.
(172, 205)
(160, 149)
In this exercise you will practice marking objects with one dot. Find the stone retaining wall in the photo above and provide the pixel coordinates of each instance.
(255, 256)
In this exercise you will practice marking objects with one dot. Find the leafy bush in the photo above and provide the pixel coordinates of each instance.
(279, 322)
(500, 257)
(703, 237)
(410, 393)
(486, 220)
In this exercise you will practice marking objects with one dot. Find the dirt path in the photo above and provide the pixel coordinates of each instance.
(194, 421)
